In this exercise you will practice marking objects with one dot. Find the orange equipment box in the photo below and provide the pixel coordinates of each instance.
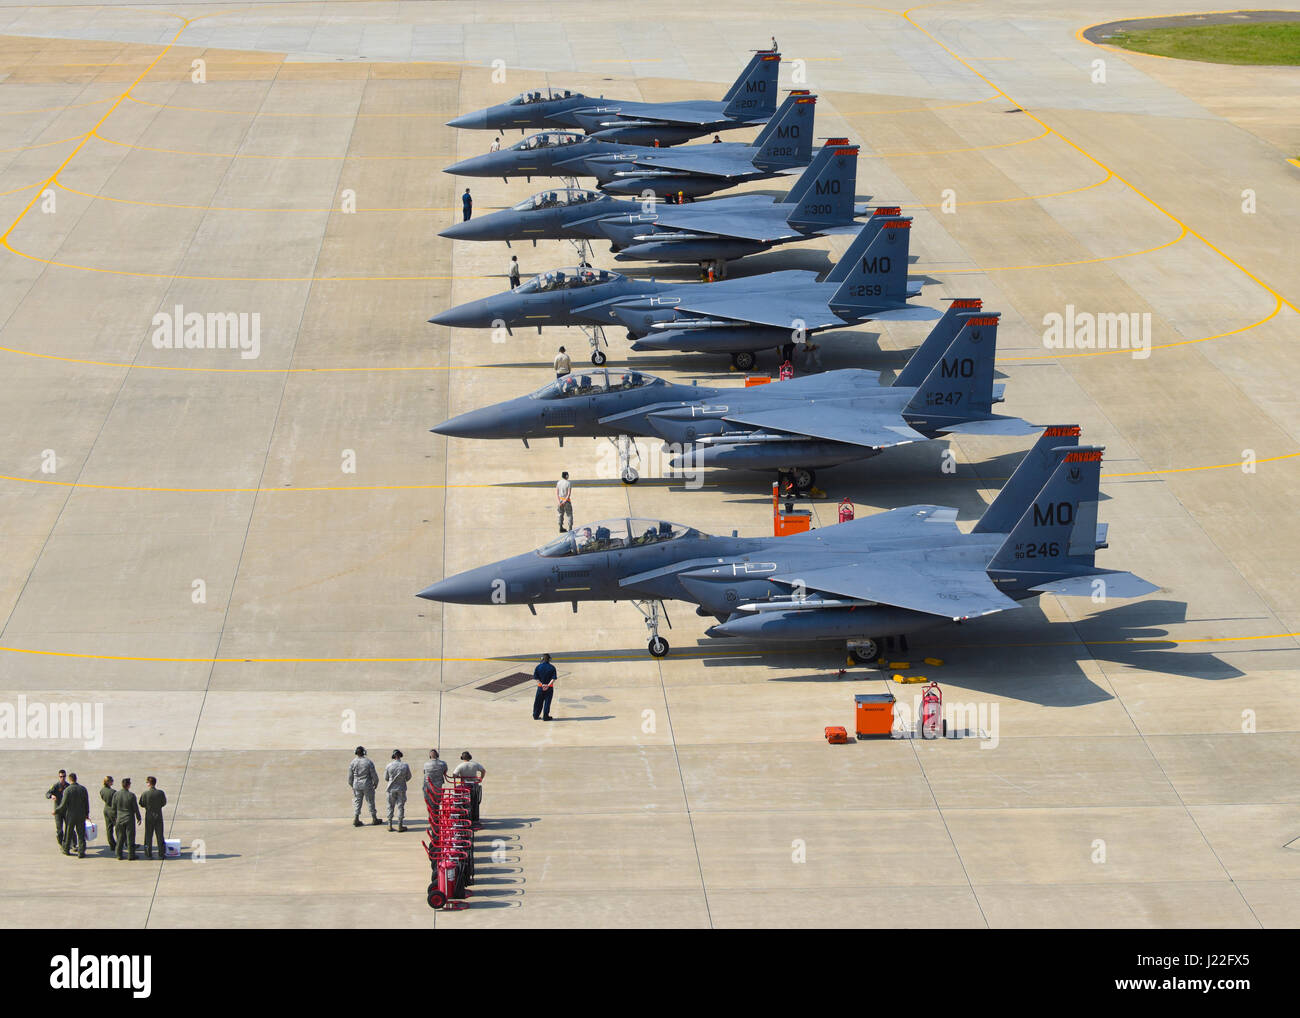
(874, 714)
(788, 521)
(753, 380)
(836, 735)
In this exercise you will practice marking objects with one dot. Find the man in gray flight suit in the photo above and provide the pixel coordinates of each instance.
(397, 774)
(74, 809)
(126, 810)
(363, 779)
(153, 799)
(106, 792)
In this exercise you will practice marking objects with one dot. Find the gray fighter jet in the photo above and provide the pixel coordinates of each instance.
(783, 146)
(750, 101)
(708, 232)
(734, 316)
(882, 576)
(791, 427)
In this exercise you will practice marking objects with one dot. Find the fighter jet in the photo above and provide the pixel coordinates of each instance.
(750, 101)
(735, 316)
(882, 576)
(791, 427)
(783, 146)
(711, 232)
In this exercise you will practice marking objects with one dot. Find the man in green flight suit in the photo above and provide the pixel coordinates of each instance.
(74, 809)
(106, 792)
(152, 800)
(126, 812)
(56, 793)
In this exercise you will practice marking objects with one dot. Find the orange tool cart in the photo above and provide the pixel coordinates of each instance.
(873, 714)
(788, 520)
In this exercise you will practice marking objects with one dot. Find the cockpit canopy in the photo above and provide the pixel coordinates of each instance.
(613, 535)
(594, 383)
(541, 95)
(547, 139)
(558, 198)
(566, 279)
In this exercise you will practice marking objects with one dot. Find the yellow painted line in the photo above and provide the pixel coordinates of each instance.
(227, 208)
(689, 654)
(260, 113)
(907, 15)
(917, 109)
(45, 144)
(1120, 49)
(227, 279)
(17, 189)
(1023, 197)
(1061, 265)
(953, 151)
(316, 489)
(241, 155)
(1294, 162)
(55, 109)
(1054, 355)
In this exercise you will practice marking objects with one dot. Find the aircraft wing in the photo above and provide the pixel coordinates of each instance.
(693, 114)
(854, 422)
(779, 310)
(726, 164)
(908, 579)
(747, 225)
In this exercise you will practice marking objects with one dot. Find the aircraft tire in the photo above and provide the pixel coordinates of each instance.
(803, 479)
(657, 646)
(743, 360)
(598, 358)
(630, 476)
(868, 651)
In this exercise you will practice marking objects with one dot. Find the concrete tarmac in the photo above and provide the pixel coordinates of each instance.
(221, 552)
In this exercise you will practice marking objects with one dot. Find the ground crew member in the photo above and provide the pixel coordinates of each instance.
(773, 44)
(717, 140)
(126, 810)
(563, 365)
(152, 800)
(514, 271)
(466, 205)
(656, 143)
(73, 809)
(397, 774)
(563, 493)
(544, 675)
(363, 779)
(106, 792)
(472, 774)
(496, 145)
(435, 771)
(55, 792)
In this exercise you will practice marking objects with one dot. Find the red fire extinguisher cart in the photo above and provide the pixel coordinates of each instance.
(932, 722)
(846, 510)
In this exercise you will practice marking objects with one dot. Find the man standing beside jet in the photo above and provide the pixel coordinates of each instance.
(544, 676)
(55, 792)
(73, 809)
(363, 779)
(466, 205)
(563, 365)
(563, 496)
(106, 792)
(514, 272)
(397, 774)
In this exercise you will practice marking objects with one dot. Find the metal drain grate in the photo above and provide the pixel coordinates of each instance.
(505, 682)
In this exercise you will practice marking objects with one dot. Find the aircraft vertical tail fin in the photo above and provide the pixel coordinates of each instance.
(959, 387)
(1057, 534)
(860, 243)
(754, 93)
(1028, 478)
(874, 276)
(787, 139)
(824, 194)
(940, 338)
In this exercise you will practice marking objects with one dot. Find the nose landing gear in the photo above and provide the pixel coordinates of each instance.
(650, 610)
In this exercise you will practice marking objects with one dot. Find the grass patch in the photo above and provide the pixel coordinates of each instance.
(1276, 43)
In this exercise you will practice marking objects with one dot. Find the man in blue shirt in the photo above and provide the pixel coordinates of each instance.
(467, 204)
(544, 674)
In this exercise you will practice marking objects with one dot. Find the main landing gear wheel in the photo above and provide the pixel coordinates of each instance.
(658, 646)
(630, 476)
(743, 360)
(803, 479)
(864, 652)
(598, 357)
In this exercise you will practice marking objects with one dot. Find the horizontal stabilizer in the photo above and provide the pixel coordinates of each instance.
(1104, 583)
(911, 313)
(1004, 426)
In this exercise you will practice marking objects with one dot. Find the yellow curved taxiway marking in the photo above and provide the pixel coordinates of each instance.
(907, 16)
(1062, 265)
(56, 109)
(17, 189)
(1023, 197)
(46, 144)
(953, 151)
(916, 109)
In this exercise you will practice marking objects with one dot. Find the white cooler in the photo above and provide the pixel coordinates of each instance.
(172, 848)
(92, 829)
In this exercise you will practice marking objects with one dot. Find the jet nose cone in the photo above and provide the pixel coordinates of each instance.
(464, 588)
(483, 228)
(476, 121)
(474, 424)
(477, 314)
(477, 166)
